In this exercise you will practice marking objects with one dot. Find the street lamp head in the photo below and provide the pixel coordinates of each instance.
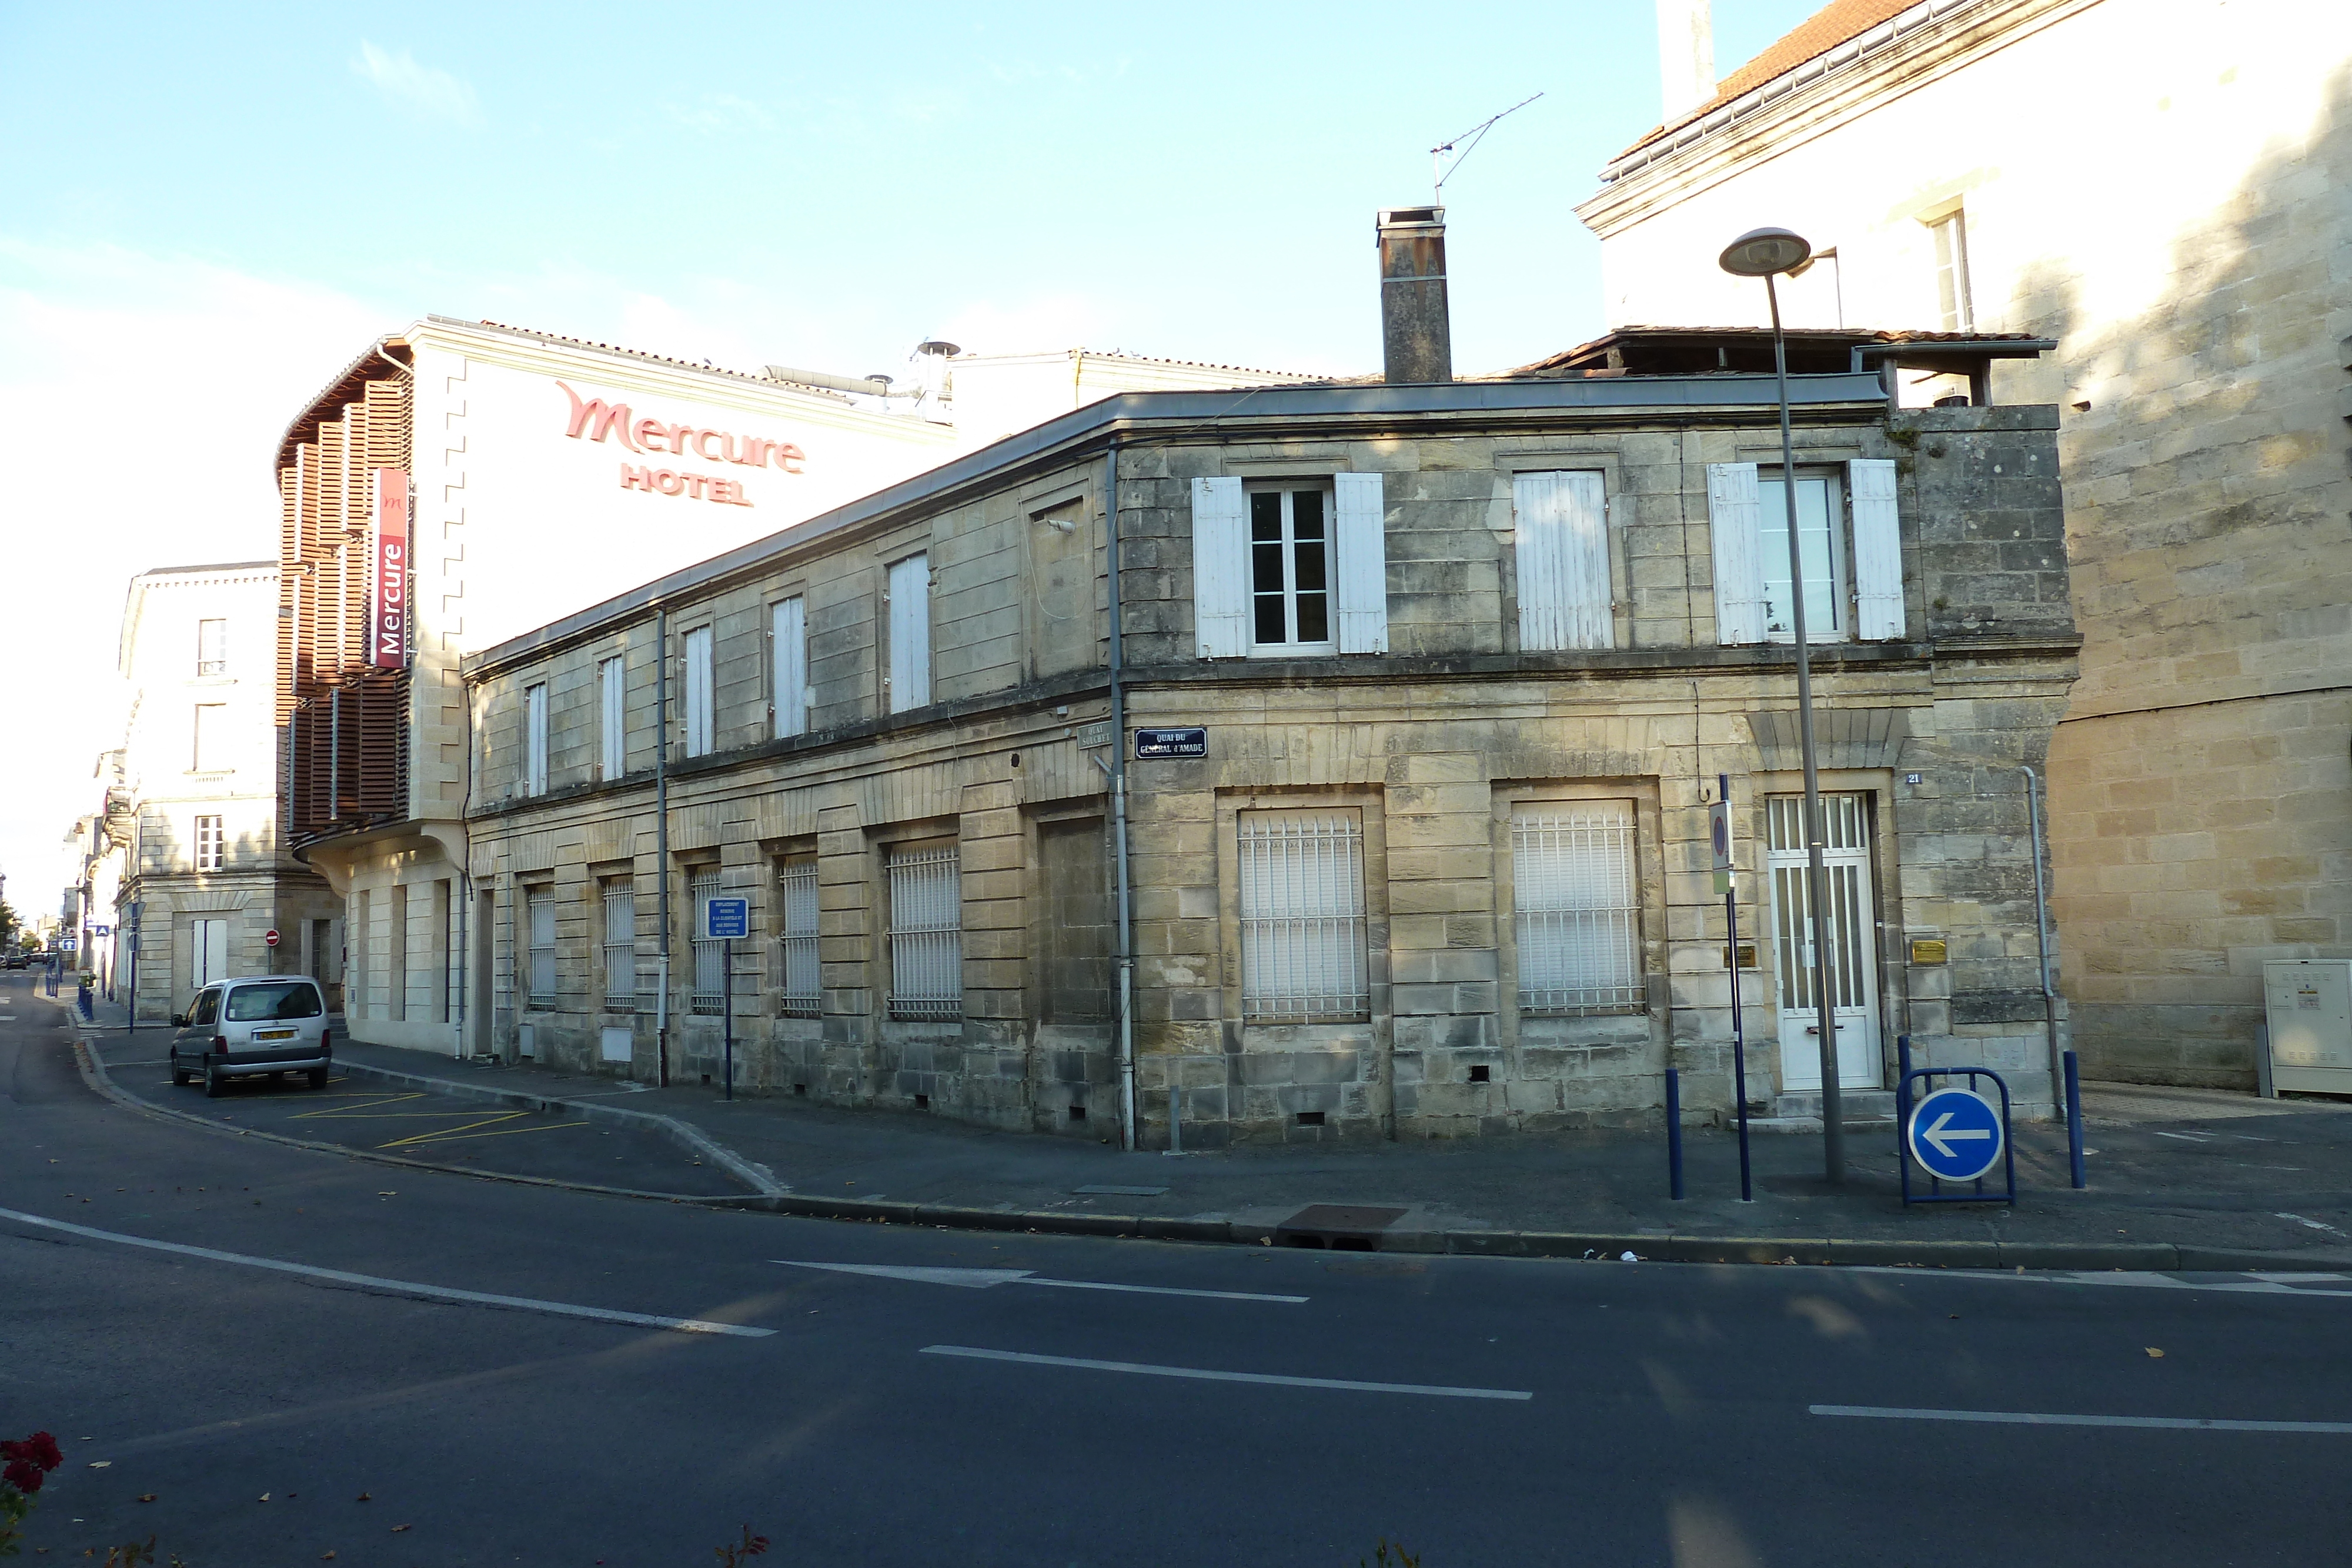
(1760, 252)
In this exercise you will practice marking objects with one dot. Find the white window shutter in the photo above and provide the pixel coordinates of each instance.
(1360, 573)
(910, 633)
(1562, 524)
(1221, 596)
(698, 706)
(1736, 523)
(1877, 550)
(788, 653)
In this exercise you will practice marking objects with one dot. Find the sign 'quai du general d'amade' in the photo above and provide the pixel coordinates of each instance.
(597, 420)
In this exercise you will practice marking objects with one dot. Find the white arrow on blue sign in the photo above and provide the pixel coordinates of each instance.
(1954, 1134)
(724, 917)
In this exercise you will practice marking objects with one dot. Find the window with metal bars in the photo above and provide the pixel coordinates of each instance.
(539, 924)
(620, 946)
(926, 931)
(209, 842)
(1578, 910)
(797, 993)
(709, 952)
(1302, 913)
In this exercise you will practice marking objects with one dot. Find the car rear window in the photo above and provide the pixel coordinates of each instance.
(294, 1000)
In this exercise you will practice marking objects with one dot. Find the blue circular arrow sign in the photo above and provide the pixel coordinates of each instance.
(1954, 1134)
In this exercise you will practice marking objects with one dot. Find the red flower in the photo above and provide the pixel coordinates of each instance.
(29, 1459)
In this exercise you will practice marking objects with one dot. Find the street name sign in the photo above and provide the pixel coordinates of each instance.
(727, 918)
(1192, 741)
(1954, 1134)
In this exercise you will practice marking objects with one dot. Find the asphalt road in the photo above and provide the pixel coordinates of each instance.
(1479, 1411)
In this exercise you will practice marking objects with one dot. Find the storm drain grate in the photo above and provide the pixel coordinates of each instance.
(1338, 1226)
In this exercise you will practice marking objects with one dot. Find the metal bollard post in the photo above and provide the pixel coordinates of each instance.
(2074, 1121)
(1175, 1113)
(1674, 1133)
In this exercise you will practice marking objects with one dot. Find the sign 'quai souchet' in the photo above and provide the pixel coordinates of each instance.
(598, 421)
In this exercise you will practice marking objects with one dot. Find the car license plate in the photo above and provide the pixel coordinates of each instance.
(273, 1034)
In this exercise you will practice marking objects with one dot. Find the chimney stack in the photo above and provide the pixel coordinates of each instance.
(1686, 54)
(1416, 340)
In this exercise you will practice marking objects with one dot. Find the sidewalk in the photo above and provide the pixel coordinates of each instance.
(2179, 1179)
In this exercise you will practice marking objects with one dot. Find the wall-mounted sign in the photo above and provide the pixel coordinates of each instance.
(1192, 741)
(727, 918)
(597, 420)
(388, 612)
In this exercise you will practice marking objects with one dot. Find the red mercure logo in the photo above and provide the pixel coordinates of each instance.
(600, 421)
(388, 619)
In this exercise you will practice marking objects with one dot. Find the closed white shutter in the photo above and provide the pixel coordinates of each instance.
(698, 691)
(207, 952)
(1736, 518)
(534, 769)
(1562, 525)
(1220, 594)
(1877, 550)
(1360, 575)
(788, 658)
(910, 632)
(613, 711)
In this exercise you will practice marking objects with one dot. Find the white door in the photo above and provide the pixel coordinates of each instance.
(207, 953)
(1854, 940)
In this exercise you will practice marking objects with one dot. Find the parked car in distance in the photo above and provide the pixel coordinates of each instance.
(253, 1027)
(17, 960)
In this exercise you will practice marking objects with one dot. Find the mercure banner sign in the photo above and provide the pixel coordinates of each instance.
(594, 419)
(388, 610)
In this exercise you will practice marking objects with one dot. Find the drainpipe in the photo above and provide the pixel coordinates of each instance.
(1125, 959)
(2041, 939)
(661, 840)
(463, 957)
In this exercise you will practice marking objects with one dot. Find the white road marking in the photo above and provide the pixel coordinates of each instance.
(982, 1279)
(1204, 1374)
(2315, 1224)
(2244, 1284)
(2024, 1418)
(402, 1287)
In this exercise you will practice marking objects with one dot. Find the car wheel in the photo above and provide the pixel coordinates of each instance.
(179, 1079)
(214, 1084)
(318, 1078)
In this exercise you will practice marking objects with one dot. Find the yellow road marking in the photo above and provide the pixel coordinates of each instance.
(454, 1134)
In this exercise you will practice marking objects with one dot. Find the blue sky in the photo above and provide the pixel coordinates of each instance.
(219, 205)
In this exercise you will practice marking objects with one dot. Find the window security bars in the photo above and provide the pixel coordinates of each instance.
(539, 907)
(709, 952)
(796, 898)
(1844, 845)
(209, 843)
(1784, 823)
(926, 933)
(1302, 910)
(212, 647)
(1577, 912)
(620, 946)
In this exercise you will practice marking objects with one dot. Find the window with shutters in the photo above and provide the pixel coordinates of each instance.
(1576, 906)
(926, 891)
(797, 991)
(1290, 570)
(788, 694)
(1953, 306)
(1849, 544)
(212, 647)
(613, 716)
(699, 677)
(534, 744)
(620, 945)
(709, 952)
(1284, 568)
(209, 842)
(1302, 915)
(908, 597)
(1821, 552)
(538, 954)
(1561, 555)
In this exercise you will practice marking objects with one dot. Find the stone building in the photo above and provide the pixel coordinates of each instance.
(199, 872)
(1417, 693)
(2157, 186)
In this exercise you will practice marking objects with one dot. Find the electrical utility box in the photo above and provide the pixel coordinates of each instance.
(2309, 1001)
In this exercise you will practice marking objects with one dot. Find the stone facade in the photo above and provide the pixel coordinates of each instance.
(1426, 754)
(2179, 231)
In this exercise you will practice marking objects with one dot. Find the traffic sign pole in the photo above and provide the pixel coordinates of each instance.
(727, 1008)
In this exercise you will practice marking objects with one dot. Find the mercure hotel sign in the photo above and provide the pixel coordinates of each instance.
(594, 419)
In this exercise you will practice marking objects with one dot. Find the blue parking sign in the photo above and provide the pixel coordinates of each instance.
(1954, 1134)
(724, 917)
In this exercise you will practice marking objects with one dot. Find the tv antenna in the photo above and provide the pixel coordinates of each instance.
(1438, 171)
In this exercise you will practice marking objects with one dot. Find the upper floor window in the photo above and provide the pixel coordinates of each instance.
(1290, 567)
(788, 665)
(1561, 525)
(1849, 544)
(212, 647)
(613, 715)
(534, 744)
(1952, 301)
(909, 598)
(209, 842)
(698, 714)
(209, 754)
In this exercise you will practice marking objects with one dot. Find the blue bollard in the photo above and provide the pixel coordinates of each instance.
(2074, 1121)
(1674, 1133)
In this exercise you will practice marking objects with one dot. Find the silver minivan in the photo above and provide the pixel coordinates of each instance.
(253, 1027)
